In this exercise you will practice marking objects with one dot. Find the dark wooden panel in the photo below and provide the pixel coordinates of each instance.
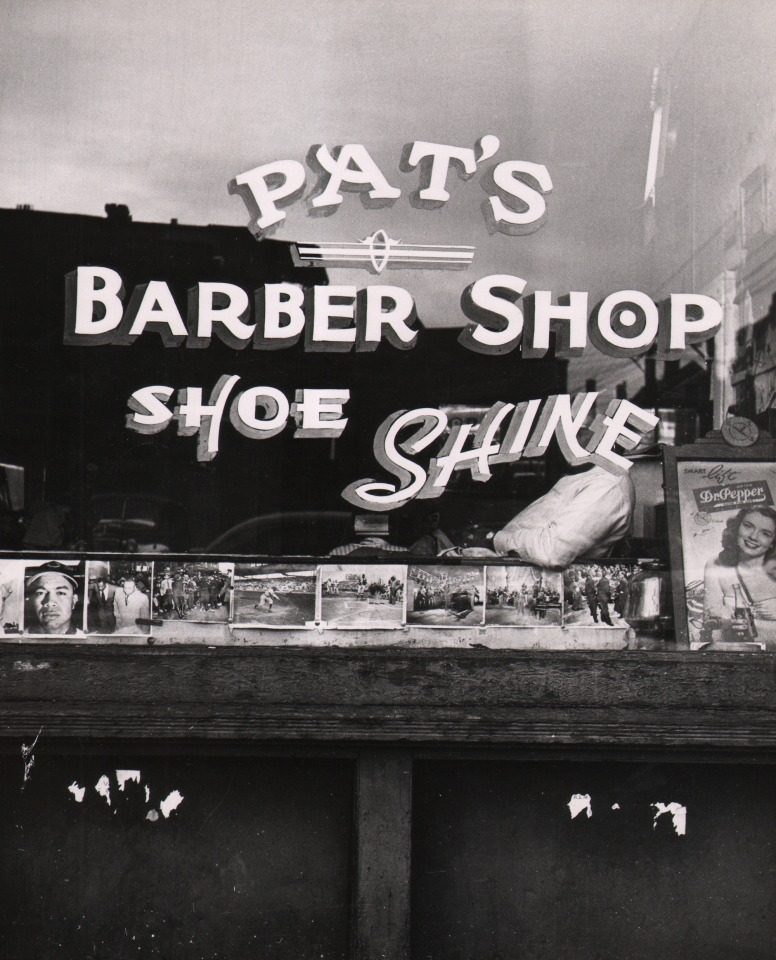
(381, 914)
(501, 870)
(254, 864)
(623, 698)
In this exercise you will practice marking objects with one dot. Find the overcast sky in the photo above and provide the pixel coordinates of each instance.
(159, 103)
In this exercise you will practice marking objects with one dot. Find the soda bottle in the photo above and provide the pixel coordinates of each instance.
(743, 611)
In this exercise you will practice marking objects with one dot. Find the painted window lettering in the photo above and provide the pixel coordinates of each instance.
(342, 318)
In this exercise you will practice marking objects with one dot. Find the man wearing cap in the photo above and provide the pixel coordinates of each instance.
(52, 595)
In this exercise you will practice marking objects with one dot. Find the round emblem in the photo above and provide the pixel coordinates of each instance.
(739, 432)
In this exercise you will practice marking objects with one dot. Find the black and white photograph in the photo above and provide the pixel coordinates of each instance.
(119, 597)
(54, 601)
(11, 597)
(522, 596)
(596, 594)
(195, 592)
(451, 328)
(445, 596)
(362, 595)
(192, 600)
(274, 595)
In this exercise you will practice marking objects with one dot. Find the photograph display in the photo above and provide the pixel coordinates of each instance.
(445, 596)
(192, 600)
(728, 527)
(274, 595)
(194, 592)
(11, 597)
(54, 598)
(523, 597)
(596, 594)
(362, 595)
(119, 598)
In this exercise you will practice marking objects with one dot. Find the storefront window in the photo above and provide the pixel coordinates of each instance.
(416, 332)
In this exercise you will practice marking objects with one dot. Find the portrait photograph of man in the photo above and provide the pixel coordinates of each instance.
(53, 594)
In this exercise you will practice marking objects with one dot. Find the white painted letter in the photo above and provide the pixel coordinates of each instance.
(263, 208)
(507, 178)
(317, 412)
(150, 414)
(231, 313)
(442, 155)
(683, 329)
(352, 165)
(87, 295)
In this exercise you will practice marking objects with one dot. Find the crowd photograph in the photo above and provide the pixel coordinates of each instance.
(194, 592)
(523, 596)
(445, 596)
(596, 594)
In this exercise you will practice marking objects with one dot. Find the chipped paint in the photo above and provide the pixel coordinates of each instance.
(103, 788)
(170, 803)
(148, 794)
(580, 802)
(125, 776)
(29, 758)
(25, 666)
(78, 792)
(678, 815)
(615, 806)
(152, 815)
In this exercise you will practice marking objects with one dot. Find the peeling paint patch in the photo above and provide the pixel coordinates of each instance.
(615, 806)
(152, 815)
(678, 815)
(580, 802)
(25, 665)
(124, 776)
(170, 803)
(78, 792)
(29, 758)
(148, 794)
(103, 788)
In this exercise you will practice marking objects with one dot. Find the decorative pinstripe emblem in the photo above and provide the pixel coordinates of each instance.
(379, 250)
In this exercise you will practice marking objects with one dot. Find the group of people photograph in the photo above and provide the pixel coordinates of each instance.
(191, 591)
(597, 594)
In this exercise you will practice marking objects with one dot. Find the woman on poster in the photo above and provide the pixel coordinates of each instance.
(740, 584)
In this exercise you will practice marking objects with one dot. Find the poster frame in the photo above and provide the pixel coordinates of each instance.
(724, 446)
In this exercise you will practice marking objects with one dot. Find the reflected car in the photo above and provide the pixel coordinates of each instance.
(135, 522)
(302, 533)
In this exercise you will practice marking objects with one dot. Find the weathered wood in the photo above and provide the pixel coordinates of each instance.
(510, 697)
(381, 908)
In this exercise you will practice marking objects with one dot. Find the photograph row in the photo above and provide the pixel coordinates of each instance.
(76, 598)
